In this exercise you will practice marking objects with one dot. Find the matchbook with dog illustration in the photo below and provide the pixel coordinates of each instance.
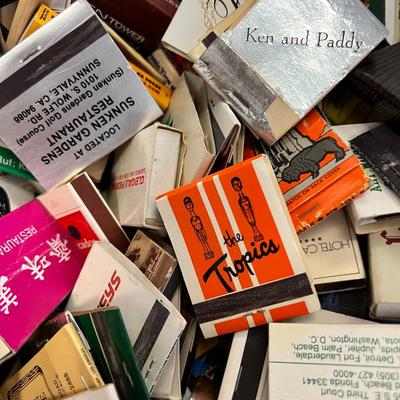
(317, 172)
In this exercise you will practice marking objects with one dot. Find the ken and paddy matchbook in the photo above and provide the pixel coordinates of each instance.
(237, 248)
(274, 60)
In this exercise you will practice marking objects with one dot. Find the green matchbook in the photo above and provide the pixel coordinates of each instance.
(105, 331)
(12, 165)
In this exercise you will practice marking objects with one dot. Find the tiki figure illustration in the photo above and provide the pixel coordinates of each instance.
(247, 209)
(198, 227)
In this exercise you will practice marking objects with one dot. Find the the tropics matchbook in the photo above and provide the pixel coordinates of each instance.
(237, 249)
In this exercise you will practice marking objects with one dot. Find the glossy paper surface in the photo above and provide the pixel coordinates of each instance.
(39, 266)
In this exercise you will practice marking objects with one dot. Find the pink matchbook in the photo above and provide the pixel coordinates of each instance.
(39, 265)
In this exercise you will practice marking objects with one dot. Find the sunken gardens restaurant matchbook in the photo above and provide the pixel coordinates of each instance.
(237, 249)
(68, 97)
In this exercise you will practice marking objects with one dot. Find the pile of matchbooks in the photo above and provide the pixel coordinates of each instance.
(199, 200)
